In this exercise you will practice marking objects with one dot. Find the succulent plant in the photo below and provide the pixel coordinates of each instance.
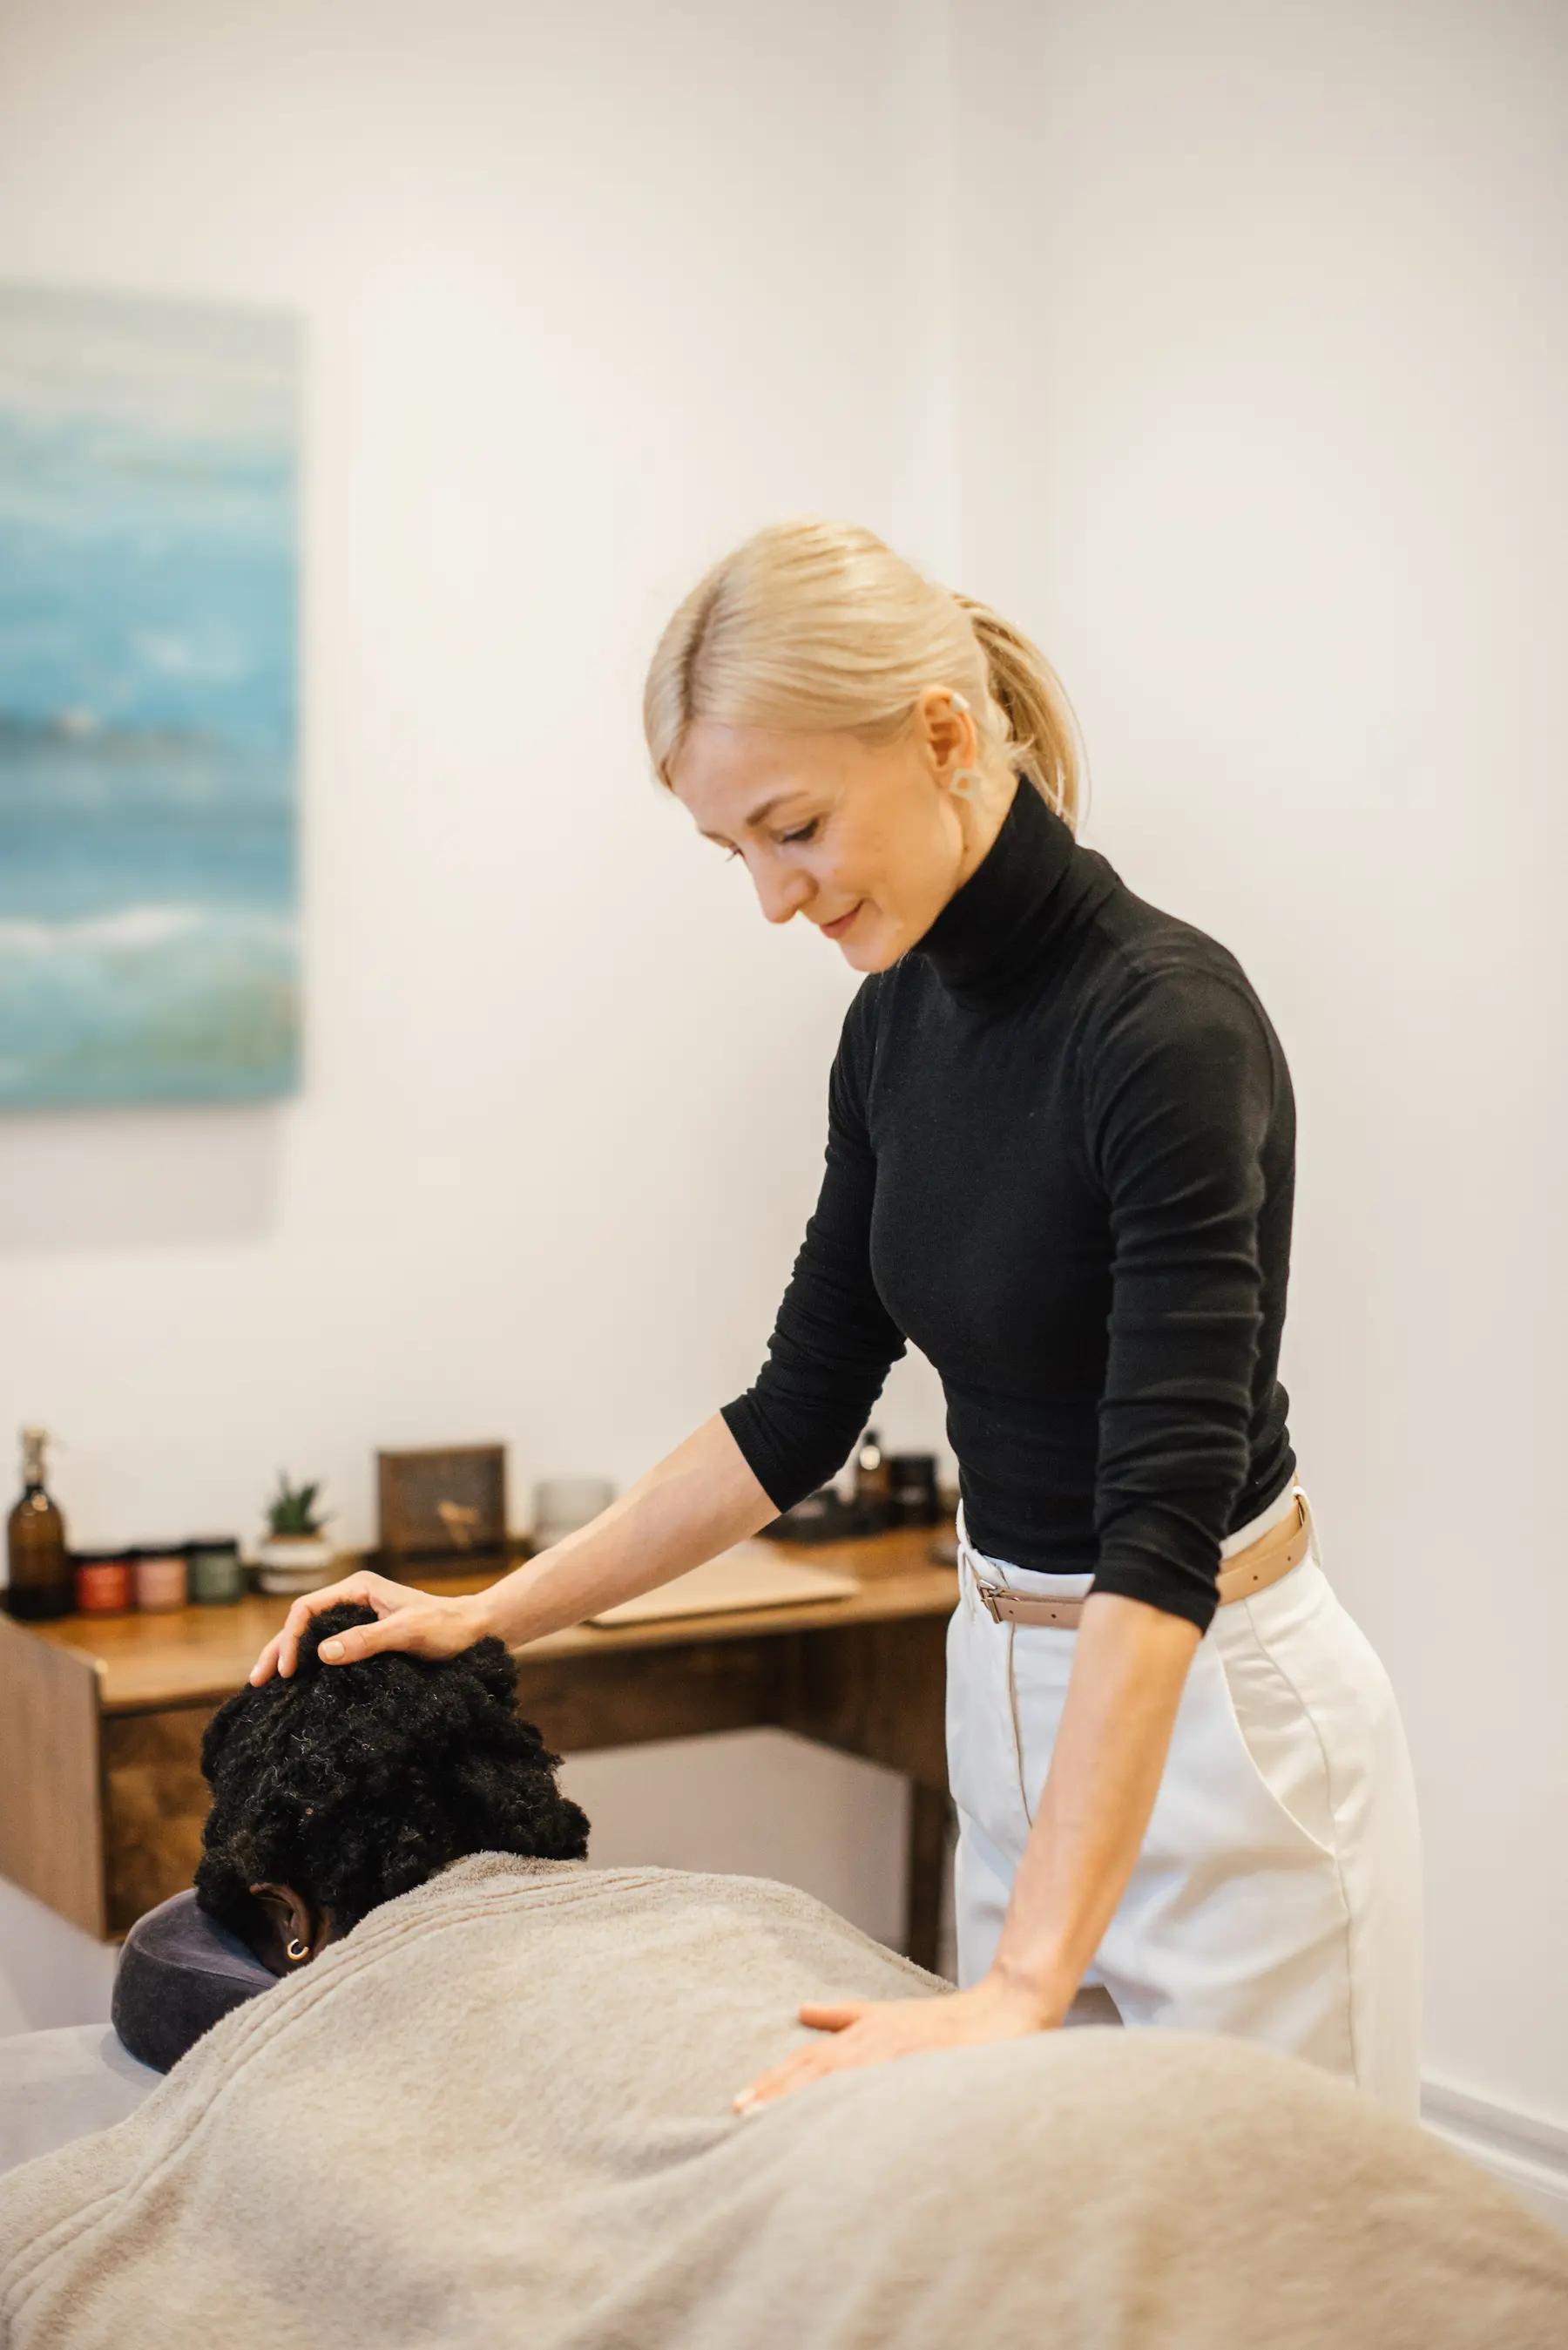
(291, 1509)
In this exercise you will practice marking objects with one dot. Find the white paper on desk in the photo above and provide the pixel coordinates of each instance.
(749, 1575)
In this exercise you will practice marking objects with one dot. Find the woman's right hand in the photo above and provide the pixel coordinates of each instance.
(413, 1621)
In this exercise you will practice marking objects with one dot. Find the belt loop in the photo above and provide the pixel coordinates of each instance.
(969, 1573)
(967, 1592)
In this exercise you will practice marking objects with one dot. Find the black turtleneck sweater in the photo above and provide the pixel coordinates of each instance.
(1060, 1158)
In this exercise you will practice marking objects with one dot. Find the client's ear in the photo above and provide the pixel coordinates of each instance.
(293, 1929)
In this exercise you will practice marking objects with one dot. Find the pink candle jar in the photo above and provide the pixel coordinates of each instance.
(158, 1577)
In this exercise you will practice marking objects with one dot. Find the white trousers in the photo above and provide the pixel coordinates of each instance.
(1277, 1895)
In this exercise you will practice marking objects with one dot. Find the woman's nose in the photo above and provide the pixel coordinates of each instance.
(782, 899)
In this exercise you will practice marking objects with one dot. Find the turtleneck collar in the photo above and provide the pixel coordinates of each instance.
(998, 925)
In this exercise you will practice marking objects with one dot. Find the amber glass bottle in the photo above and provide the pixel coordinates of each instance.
(872, 1486)
(40, 1565)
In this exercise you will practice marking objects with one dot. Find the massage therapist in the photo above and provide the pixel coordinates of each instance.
(1060, 1158)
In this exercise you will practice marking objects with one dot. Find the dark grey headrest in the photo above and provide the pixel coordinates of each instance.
(180, 1971)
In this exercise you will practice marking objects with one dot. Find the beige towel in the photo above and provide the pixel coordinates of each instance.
(498, 2113)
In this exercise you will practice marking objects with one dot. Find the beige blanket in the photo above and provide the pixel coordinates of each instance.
(498, 2113)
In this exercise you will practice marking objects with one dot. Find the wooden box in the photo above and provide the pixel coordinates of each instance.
(442, 1508)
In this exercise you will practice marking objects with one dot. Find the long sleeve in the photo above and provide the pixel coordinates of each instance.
(1179, 1085)
(834, 1341)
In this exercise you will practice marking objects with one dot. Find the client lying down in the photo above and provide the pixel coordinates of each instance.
(477, 2093)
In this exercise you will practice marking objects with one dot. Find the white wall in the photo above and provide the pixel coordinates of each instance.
(1261, 429)
(581, 312)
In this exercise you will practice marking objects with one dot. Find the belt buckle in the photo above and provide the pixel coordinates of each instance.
(988, 1594)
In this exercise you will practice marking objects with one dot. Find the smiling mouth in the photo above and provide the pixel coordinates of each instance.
(831, 930)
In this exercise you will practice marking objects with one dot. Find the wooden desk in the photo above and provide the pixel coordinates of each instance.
(102, 1799)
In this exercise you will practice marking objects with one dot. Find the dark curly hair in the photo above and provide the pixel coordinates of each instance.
(355, 1782)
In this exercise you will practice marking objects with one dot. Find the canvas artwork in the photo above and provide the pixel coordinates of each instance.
(148, 914)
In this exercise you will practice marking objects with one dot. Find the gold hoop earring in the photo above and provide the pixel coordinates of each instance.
(296, 1950)
(962, 785)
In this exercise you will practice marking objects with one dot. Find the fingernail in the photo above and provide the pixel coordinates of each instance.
(332, 1650)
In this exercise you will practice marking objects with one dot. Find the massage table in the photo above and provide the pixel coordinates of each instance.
(57, 2085)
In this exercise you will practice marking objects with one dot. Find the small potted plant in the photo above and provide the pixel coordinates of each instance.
(294, 1557)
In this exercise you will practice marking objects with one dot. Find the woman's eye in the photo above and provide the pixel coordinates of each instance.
(788, 838)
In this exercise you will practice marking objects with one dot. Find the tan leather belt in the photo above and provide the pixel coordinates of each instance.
(1254, 1569)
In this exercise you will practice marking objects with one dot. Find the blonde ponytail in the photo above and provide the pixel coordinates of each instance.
(1041, 734)
(819, 627)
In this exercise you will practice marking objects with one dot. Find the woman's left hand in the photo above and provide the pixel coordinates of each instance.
(870, 2031)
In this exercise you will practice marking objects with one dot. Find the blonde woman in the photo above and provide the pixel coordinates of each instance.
(1060, 1158)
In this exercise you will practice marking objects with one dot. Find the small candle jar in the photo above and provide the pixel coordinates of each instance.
(102, 1582)
(160, 1579)
(216, 1576)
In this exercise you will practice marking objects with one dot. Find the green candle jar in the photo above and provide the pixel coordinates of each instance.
(217, 1579)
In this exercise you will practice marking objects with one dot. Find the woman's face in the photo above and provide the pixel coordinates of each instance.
(828, 827)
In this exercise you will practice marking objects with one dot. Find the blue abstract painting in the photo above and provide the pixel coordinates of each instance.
(148, 897)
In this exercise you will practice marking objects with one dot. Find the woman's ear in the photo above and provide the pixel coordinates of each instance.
(293, 1929)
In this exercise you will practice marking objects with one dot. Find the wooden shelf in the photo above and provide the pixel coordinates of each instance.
(189, 1656)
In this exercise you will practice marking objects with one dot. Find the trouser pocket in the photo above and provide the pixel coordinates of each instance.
(987, 1748)
(1246, 1780)
(1279, 1742)
(1236, 1918)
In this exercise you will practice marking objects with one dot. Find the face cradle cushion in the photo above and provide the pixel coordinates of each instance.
(179, 1973)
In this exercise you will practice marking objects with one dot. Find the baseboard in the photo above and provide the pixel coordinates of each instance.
(1524, 2151)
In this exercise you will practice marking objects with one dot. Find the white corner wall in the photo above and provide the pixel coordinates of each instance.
(580, 312)
(1260, 421)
